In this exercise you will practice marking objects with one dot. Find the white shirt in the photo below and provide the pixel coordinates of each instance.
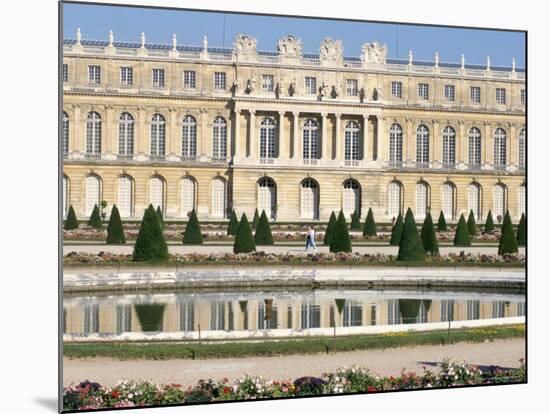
(312, 234)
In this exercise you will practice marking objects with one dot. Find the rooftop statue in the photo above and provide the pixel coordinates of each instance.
(331, 52)
(374, 53)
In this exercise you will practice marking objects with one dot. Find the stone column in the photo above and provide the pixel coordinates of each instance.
(408, 139)
(296, 141)
(338, 142)
(437, 143)
(113, 132)
(462, 154)
(489, 156)
(283, 139)
(253, 145)
(237, 145)
(106, 133)
(141, 137)
(205, 137)
(173, 136)
(76, 133)
(365, 147)
(511, 145)
(325, 141)
(431, 142)
(381, 140)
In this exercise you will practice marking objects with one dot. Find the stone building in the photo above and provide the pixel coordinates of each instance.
(295, 134)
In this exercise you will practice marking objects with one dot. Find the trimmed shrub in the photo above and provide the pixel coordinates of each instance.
(521, 235)
(95, 219)
(193, 234)
(330, 229)
(410, 246)
(489, 224)
(340, 241)
(355, 223)
(508, 242)
(441, 223)
(161, 217)
(244, 242)
(409, 308)
(396, 231)
(71, 222)
(340, 303)
(462, 234)
(115, 232)
(150, 243)
(263, 234)
(233, 224)
(369, 228)
(255, 219)
(472, 228)
(427, 235)
(150, 316)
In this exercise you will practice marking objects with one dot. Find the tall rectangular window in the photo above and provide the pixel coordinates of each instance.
(424, 91)
(189, 79)
(522, 97)
(158, 78)
(397, 90)
(267, 83)
(126, 75)
(94, 74)
(219, 81)
(500, 96)
(311, 85)
(475, 94)
(65, 73)
(352, 87)
(450, 93)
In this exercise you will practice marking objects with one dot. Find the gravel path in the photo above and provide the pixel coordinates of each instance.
(505, 353)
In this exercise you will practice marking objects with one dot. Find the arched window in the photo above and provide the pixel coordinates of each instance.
(92, 194)
(158, 137)
(474, 200)
(65, 196)
(521, 200)
(310, 136)
(125, 196)
(351, 202)
(422, 146)
(309, 206)
(474, 148)
(126, 136)
(218, 198)
(156, 192)
(500, 149)
(65, 134)
(93, 135)
(421, 199)
(499, 201)
(267, 195)
(219, 139)
(449, 147)
(396, 145)
(187, 195)
(189, 138)
(448, 196)
(352, 145)
(521, 149)
(268, 150)
(394, 198)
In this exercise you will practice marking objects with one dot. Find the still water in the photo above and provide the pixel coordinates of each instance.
(249, 310)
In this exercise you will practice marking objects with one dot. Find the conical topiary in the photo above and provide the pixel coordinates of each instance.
(409, 309)
(441, 223)
(472, 228)
(521, 235)
(115, 232)
(263, 234)
(428, 237)
(369, 228)
(150, 316)
(150, 243)
(340, 241)
(244, 242)
(193, 234)
(255, 219)
(71, 222)
(489, 224)
(396, 231)
(340, 303)
(160, 217)
(95, 219)
(462, 235)
(410, 245)
(330, 229)
(233, 224)
(508, 242)
(355, 223)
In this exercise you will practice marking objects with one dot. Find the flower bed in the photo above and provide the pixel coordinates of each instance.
(259, 258)
(90, 395)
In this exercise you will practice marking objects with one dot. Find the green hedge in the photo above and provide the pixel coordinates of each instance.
(71, 222)
(462, 234)
(150, 243)
(193, 233)
(330, 229)
(95, 219)
(508, 242)
(369, 228)
(410, 245)
(244, 242)
(263, 234)
(340, 241)
(115, 232)
(428, 237)
(396, 231)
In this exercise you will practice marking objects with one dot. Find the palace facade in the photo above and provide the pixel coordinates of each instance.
(297, 135)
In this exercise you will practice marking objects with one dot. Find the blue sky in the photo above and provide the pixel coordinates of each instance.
(159, 24)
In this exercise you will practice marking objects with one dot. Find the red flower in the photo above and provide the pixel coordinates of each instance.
(226, 390)
(115, 393)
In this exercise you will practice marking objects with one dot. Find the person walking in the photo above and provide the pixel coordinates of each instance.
(310, 239)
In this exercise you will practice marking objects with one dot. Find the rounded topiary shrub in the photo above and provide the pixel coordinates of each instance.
(428, 237)
(489, 223)
(396, 231)
(330, 229)
(193, 234)
(340, 241)
(150, 243)
(472, 227)
(462, 234)
(355, 223)
(521, 235)
(263, 234)
(115, 232)
(244, 242)
(508, 242)
(441, 223)
(369, 228)
(410, 246)
(71, 221)
(233, 224)
(95, 219)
